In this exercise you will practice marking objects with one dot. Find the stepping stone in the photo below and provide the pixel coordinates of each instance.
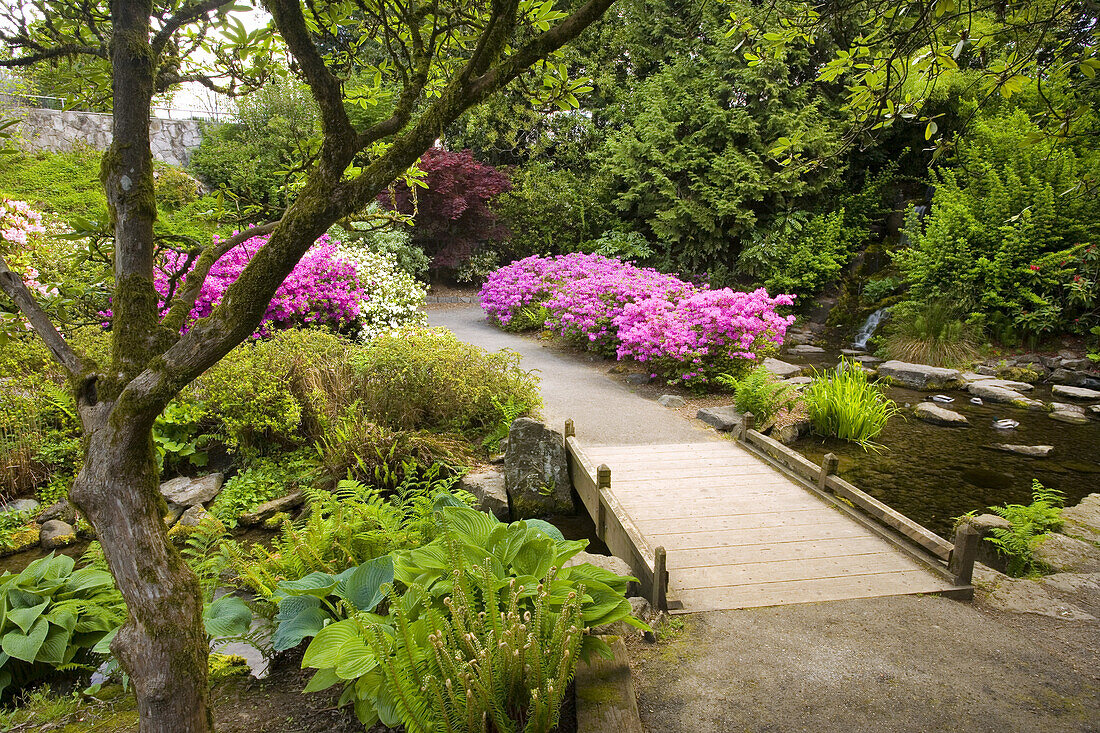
(803, 381)
(1032, 451)
(1071, 418)
(1075, 393)
(852, 352)
(932, 413)
(1007, 384)
(867, 360)
(920, 376)
(806, 350)
(782, 369)
(991, 393)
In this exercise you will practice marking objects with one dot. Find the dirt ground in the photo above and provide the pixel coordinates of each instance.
(904, 664)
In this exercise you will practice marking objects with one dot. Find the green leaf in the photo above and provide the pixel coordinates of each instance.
(324, 651)
(316, 584)
(22, 646)
(364, 588)
(226, 616)
(290, 634)
(355, 659)
(55, 645)
(322, 680)
(24, 618)
(546, 528)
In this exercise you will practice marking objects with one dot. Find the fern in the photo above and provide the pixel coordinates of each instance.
(509, 411)
(759, 393)
(1030, 525)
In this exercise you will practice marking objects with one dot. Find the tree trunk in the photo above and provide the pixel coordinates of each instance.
(163, 644)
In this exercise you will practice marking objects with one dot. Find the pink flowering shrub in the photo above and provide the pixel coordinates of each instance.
(685, 332)
(323, 289)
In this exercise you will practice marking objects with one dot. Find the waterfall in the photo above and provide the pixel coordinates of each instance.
(868, 328)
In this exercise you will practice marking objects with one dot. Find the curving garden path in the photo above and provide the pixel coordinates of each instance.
(738, 534)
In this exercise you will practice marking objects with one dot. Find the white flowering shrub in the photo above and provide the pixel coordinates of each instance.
(395, 299)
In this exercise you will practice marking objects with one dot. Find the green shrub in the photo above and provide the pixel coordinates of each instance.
(760, 393)
(276, 131)
(931, 333)
(846, 404)
(51, 617)
(431, 380)
(497, 586)
(1030, 525)
(802, 255)
(178, 435)
(1010, 235)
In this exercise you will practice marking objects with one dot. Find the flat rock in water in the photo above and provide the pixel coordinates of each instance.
(671, 401)
(852, 352)
(55, 534)
(190, 491)
(782, 369)
(724, 418)
(1075, 393)
(1008, 384)
(932, 413)
(806, 350)
(269, 509)
(919, 376)
(867, 360)
(488, 487)
(1032, 451)
(1070, 417)
(993, 393)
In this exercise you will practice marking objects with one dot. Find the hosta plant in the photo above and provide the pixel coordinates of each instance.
(435, 660)
(51, 617)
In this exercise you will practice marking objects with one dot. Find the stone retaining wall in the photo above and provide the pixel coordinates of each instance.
(54, 130)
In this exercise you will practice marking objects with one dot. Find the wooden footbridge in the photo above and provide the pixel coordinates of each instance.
(749, 522)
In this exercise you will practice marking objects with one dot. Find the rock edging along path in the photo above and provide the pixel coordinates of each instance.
(605, 411)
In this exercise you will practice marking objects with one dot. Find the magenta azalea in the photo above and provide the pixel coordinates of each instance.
(323, 289)
(687, 332)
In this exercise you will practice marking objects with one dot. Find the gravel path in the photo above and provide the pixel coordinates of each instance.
(899, 664)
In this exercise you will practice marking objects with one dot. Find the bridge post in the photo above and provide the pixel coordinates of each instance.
(748, 422)
(828, 467)
(961, 563)
(658, 593)
(603, 481)
(570, 429)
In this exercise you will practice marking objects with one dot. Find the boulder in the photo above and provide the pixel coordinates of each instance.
(1083, 520)
(1069, 378)
(987, 371)
(1075, 393)
(193, 516)
(536, 470)
(1095, 410)
(782, 369)
(799, 382)
(19, 505)
(932, 413)
(55, 534)
(636, 378)
(268, 509)
(920, 376)
(1076, 365)
(175, 511)
(1031, 451)
(671, 401)
(723, 418)
(62, 510)
(1028, 596)
(787, 434)
(190, 491)
(806, 350)
(488, 487)
(992, 393)
(1062, 553)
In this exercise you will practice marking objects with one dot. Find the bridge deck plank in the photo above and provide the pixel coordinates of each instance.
(740, 534)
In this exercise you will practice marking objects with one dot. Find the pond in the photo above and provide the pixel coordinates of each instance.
(933, 474)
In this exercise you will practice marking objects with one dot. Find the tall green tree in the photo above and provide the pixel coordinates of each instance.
(441, 57)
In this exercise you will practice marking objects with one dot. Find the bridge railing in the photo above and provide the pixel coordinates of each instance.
(953, 561)
(613, 524)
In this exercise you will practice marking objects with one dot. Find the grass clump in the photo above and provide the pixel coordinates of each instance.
(760, 393)
(931, 333)
(846, 404)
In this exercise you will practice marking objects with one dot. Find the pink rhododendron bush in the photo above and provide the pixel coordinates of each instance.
(322, 290)
(682, 331)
